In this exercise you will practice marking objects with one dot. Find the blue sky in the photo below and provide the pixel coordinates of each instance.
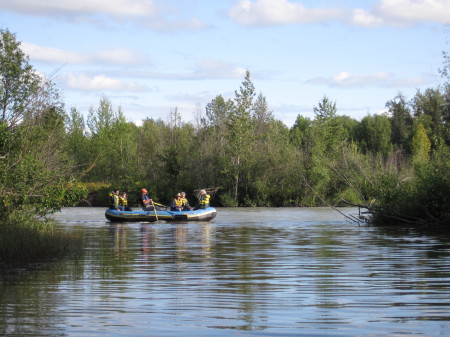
(152, 56)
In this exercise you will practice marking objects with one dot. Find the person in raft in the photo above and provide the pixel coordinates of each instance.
(203, 200)
(185, 202)
(123, 202)
(114, 201)
(177, 203)
(146, 202)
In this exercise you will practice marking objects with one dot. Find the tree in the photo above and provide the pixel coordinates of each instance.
(431, 103)
(401, 120)
(262, 116)
(76, 142)
(375, 134)
(177, 139)
(19, 83)
(325, 110)
(420, 145)
(149, 146)
(445, 70)
(240, 133)
(300, 131)
(36, 174)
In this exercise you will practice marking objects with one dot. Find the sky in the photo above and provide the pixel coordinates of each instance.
(149, 57)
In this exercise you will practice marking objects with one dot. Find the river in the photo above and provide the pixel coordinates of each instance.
(249, 272)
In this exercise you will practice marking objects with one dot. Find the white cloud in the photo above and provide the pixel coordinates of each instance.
(204, 69)
(82, 7)
(384, 12)
(145, 13)
(170, 26)
(109, 56)
(211, 69)
(403, 13)
(361, 17)
(279, 12)
(48, 54)
(84, 82)
(380, 79)
(414, 11)
(117, 56)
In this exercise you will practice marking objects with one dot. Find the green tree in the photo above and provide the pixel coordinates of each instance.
(432, 103)
(420, 145)
(112, 143)
(375, 134)
(240, 133)
(401, 121)
(299, 133)
(325, 110)
(36, 176)
(262, 116)
(209, 155)
(150, 145)
(19, 83)
(328, 131)
(76, 142)
(176, 169)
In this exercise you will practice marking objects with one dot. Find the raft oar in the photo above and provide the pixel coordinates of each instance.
(154, 210)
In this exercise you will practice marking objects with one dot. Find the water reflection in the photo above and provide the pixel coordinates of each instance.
(302, 274)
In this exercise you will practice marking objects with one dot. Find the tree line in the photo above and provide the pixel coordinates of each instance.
(387, 162)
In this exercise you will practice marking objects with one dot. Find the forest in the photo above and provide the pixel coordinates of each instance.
(396, 164)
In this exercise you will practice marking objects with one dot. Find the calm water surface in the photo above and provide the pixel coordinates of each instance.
(249, 272)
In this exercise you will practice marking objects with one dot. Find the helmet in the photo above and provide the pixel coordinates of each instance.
(143, 190)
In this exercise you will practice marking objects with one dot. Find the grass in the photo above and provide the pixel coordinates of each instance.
(26, 243)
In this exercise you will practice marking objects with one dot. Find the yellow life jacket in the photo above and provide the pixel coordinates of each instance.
(184, 201)
(178, 203)
(114, 200)
(123, 201)
(204, 199)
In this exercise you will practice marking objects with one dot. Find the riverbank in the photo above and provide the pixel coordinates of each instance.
(22, 244)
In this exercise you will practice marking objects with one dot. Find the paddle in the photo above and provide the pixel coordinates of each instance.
(160, 205)
(154, 210)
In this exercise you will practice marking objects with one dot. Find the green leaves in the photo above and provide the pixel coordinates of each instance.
(33, 165)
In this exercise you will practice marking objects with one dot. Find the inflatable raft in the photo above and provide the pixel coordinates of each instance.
(151, 216)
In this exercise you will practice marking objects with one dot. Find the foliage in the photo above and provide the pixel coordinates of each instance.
(19, 83)
(256, 160)
(37, 176)
(422, 200)
(36, 173)
(401, 120)
(420, 145)
(375, 134)
(393, 163)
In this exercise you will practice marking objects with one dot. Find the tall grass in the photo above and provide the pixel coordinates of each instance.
(35, 241)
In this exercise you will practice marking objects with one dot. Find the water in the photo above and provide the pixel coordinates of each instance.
(249, 272)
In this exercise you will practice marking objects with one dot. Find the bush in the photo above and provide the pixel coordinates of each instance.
(422, 200)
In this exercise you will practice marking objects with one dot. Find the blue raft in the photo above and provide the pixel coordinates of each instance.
(150, 216)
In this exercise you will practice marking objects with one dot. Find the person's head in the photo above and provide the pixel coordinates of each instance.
(116, 192)
(183, 194)
(143, 191)
(124, 194)
(178, 195)
(202, 192)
